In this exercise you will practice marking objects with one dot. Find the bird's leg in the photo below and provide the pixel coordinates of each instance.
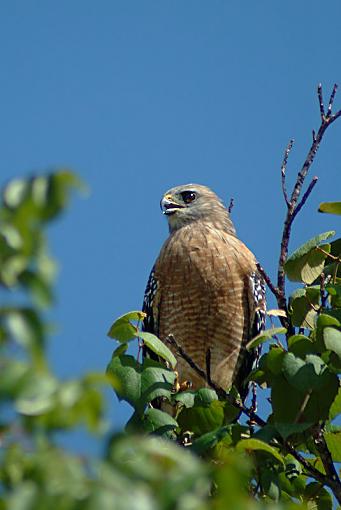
(208, 366)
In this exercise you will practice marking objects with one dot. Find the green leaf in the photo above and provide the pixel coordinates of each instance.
(333, 440)
(330, 207)
(335, 409)
(306, 263)
(158, 422)
(128, 373)
(301, 345)
(154, 344)
(264, 336)
(301, 307)
(306, 391)
(201, 419)
(123, 330)
(332, 340)
(288, 429)
(210, 439)
(256, 444)
(204, 397)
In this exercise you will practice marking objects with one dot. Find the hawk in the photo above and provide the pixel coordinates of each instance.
(205, 289)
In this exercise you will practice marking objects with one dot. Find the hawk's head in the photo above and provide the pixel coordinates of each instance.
(192, 202)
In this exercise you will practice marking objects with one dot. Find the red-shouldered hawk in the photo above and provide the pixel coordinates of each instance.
(205, 289)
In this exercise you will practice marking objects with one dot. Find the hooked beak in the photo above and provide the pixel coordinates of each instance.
(168, 206)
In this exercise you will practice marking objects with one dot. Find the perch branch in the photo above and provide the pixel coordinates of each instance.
(320, 477)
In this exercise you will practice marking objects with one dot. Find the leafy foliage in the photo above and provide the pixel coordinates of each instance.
(202, 449)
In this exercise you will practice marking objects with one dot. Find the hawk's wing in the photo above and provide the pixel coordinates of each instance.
(150, 322)
(257, 311)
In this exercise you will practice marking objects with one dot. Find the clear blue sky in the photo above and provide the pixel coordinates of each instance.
(139, 96)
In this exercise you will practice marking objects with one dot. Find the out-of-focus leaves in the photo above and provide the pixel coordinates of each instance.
(25, 327)
(38, 395)
(123, 330)
(330, 207)
(306, 263)
(264, 336)
(154, 344)
(14, 193)
(175, 476)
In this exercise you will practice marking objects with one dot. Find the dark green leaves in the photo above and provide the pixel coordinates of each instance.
(139, 383)
(306, 263)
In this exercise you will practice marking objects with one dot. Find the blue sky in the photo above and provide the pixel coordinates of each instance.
(139, 96)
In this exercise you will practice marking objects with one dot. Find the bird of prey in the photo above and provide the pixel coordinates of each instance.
(205, 289)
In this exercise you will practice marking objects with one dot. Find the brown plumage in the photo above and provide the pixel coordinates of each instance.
(204, 288)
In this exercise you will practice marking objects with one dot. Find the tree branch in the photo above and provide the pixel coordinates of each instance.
(293, 207)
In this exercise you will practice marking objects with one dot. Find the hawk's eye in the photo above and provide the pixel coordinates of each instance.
(188, 196)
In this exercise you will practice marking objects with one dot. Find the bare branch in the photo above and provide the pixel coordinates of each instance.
(294, 207)
(283, 170)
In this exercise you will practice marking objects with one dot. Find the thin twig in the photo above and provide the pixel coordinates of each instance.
(305, 196)
(320, 97)
(331, 100)
(283, 170)
(230, 207)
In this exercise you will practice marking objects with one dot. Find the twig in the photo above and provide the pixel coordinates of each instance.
(267, 280)
(305, 196)
(294, 207)
(320, 97)
(230, 207)
(331, 100)
(283, 170)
